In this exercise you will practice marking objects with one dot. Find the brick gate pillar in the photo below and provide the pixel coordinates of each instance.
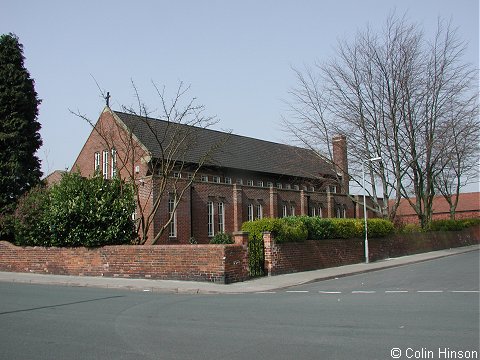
(268, 243)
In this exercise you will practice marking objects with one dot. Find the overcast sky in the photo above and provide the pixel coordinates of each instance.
(236, 55)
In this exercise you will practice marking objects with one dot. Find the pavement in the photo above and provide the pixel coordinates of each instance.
(263, 284)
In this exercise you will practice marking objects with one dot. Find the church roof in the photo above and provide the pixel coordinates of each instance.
(231, 150)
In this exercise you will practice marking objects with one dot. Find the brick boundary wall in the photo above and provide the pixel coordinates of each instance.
(319, 254)
(220, 263)
(214, 263)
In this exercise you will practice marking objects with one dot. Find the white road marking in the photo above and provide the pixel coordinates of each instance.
(266, 292)
(396, 291)
(363, 292)
(297, 291)
(465, 291)
(330, 292)
(429, 291)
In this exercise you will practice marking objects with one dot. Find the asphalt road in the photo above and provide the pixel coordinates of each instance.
(427, 310)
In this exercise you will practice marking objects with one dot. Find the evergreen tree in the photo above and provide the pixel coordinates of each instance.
(19, 128)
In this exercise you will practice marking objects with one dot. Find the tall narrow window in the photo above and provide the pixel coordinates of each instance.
(292, 210)
(97, 163)
(259, 211)
(284, 210)
(250, 212)
(114, 163)
(320, 211)
(221, 217)
(210, 212)
(173, 215)
(105, 164)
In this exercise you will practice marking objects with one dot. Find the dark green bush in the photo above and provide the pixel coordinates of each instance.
(446, 225)
(31, 227)
(222, 238)
(77, 212)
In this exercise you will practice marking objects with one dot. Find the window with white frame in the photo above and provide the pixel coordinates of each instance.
(105, 164)
(344, 211)
(269, 184)
(279, 185)
(228, 180)
(338, 212)
(320, 211)
(250, 182)
(177, 175)
(259, 211)
(260, 183)
(204, 178)
(221, 217)
(210, 221)
(114, 163)
(97, 163)
(216, 179)
(292, 209)
(288, 186)
(173, 215)
(284, 210)
(239, 181)
(250, 212)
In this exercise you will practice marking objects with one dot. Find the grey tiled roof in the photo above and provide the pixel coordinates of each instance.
(237, 152)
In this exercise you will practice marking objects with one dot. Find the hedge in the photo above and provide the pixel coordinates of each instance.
(300, 228)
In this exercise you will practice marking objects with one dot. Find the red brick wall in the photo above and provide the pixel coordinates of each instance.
(319, 254)
(215, 263)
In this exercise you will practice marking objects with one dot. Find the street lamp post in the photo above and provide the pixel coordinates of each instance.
(365, 203)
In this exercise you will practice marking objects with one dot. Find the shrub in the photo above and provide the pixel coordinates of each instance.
(379, 228)
(470, 222)
(222, 238)
(77, 212)
(284, 230)
(31, 227)
(347, 228)
(446, 225)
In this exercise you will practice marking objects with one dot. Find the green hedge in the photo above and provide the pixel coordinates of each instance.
(452, 225)
(284, 230)
(222, 238)
(300, 228)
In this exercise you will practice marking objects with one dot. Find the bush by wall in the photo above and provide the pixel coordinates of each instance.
(285, 229)
(300, 228)
(222, 238)
(76, 212)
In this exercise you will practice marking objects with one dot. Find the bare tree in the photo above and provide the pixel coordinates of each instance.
(387, 92)
(173, 149)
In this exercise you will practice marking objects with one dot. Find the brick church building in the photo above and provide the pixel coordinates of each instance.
(210, 181)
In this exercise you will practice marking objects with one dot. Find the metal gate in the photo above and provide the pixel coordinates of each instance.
(256, 256)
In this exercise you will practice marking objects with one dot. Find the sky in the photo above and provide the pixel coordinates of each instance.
(237, 56)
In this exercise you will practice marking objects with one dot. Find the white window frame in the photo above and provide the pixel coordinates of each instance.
(260, 183)
(284, 210)
(292, 210)
(210, 219)
(216, 179)
(204, 178)
(259, 211)
(239, 181)
(221, 217)
(97, 161)
(105, 164)
(249, 182)
(114, 163)
(173, 224)
(250, 212)
(228, 180)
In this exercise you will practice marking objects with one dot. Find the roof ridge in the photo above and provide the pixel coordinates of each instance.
(219, 131)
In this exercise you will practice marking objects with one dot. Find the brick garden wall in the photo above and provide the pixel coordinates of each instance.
(318, 254)
(220, 263)
(214, 263)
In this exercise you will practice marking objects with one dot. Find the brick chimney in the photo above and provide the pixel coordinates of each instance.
(339, 144)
